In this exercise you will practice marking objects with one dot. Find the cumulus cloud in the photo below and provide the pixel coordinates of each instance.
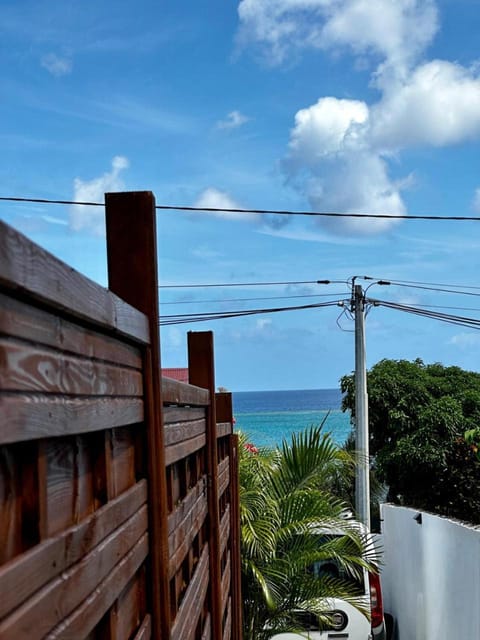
(437, 105)
(212, 198)
(93, 218)
(233, 120)
(397, 31)
(56, 65)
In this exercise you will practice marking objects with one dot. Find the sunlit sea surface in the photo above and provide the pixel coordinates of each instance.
(269, 416)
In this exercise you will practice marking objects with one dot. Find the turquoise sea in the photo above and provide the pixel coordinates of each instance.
(269, 416)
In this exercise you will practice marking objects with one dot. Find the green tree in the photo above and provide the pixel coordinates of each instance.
(418, 415)
(284, 497)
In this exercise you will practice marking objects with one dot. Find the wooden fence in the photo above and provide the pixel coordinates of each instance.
(119, 510)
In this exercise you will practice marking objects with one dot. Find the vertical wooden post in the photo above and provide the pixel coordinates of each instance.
(132, 275)
(225, 414)
(201, 372)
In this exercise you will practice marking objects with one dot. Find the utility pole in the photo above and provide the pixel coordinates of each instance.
(362, 473)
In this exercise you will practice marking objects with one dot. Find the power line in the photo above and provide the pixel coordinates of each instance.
(433, 284)
(246, 284)
(203, 317)
(472, 323)
(282, 212)
(313, 295)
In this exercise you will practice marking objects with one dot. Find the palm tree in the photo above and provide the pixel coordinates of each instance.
(285, 498)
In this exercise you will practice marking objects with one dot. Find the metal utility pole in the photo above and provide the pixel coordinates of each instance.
(362, 474)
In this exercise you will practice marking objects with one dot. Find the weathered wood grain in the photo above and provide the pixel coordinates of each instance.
(145, 631)
(189, 612)
(183, 449)
(183, 508)
(177, 415)
(226, 577)
(36, 617)
(32, 416)
(120, 460)
(30, 571)
(223, 476)
(227, 630)
(178, 432)
(207, 628)
(26, 368)
(182, 536)
(91, 610)
(225, 529)
(176, 392)
(128, 610)
(27, 268)
(36, 326)
(224, 429)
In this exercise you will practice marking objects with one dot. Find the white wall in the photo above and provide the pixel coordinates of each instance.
(431, 576)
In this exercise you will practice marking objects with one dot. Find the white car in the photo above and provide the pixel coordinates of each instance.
(345, 621)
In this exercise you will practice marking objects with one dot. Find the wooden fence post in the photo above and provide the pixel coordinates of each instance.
(132, 275)
(225, 414)
(201, 371)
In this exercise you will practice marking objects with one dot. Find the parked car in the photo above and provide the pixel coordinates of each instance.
(345, 621)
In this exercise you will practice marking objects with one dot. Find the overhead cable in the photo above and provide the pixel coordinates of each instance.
(282, 212)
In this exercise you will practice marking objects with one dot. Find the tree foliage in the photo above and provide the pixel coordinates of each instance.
(284, 497)
(418, 415)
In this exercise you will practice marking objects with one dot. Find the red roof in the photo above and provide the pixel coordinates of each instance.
(180, 374)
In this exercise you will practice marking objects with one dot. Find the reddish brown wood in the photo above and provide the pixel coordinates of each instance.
(183, 449)
(226, 577)
(180, 432)
(26, 368)
(26, 267)
(58, 599)
(91, 610)
(26, 322)
(235, 540)
(26, 574)
(32, 416)
(207, 629)
(192, 603)
(223, 476)
(223, 402)
(177, 415)
(223, 429)
(201, 370)
(145, 631)
(127, 612)
(227, 633)
(121, 460)
(225, 529)
(181, 538)
(175, 392)
(133, 275)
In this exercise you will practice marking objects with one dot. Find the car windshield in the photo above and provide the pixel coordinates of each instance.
(331, 568)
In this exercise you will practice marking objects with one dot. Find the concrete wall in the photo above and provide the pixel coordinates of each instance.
(431, 576)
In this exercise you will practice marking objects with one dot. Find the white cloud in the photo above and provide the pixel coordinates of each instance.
(93, 218)
(465, 340)
(212, 198)
(437, 105)
(233, 120)
(397, 31)
(56, 65)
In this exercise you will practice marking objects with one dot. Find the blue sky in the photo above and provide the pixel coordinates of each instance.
(340, 105)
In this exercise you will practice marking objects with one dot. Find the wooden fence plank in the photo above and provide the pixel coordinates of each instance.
(227, 633)
(56, 600)
(223, 476)
(25, 368)
(27, 417)
(225, 529)
(181, 538)
(201, 369)
(145, 631)
(235, 544)
(27, 573)
(91, 610)
(128, 610)
(28, 268)
(26, 322)
(182, 509)
(180, 432)
(177, 415)
(192, 603)
(207, 628)
(176, 392)
(226, 577)
(183, 449)
(223, 429)
(133, 275)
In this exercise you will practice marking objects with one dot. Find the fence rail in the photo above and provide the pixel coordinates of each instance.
(118, 491)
